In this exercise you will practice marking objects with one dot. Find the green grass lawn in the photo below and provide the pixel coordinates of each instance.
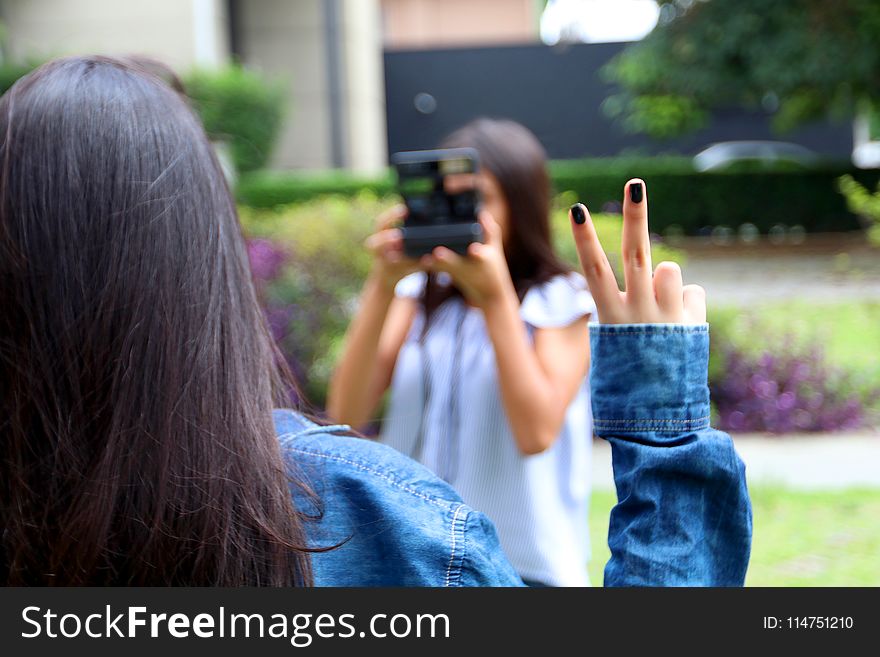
(800, 538)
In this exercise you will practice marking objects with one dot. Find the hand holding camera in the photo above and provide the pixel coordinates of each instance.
(390, 263)
(481, 274)
(442, 203)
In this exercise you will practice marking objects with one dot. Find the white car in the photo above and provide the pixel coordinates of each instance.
(720, 155)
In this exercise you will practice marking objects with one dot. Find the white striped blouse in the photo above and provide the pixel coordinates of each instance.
(445, 410)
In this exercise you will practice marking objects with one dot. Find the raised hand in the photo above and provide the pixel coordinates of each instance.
(660, 298)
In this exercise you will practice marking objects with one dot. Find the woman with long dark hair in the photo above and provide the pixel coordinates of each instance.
(141, 439)
(138, 380)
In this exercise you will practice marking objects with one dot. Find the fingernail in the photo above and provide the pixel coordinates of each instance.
(578, 214)
(635, 192)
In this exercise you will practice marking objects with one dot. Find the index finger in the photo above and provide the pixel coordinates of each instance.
(384, 241)
(390, 217)
(491, 229)
(594, 262)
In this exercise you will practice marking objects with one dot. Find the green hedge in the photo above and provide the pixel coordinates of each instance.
(269, 189)
(694, 200)
(679, 196)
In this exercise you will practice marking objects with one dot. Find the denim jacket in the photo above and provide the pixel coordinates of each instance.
(683, 516)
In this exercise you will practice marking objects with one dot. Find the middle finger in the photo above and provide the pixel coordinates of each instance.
(636, 244)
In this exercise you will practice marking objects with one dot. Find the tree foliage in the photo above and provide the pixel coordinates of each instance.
(800, 59)
(864, 203)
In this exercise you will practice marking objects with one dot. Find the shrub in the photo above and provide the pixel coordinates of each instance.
(864, 203)
(681, 198)
(784, 391)
(241, 108)
(235, 105)
(309, 263)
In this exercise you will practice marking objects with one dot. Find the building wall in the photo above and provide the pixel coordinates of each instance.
(439, 23)
(291, 42)
(164, 29)
(285, 40)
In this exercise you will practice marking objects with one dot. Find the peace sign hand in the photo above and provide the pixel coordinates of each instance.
(657, 299)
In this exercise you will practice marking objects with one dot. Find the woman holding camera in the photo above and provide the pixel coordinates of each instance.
(486, 357)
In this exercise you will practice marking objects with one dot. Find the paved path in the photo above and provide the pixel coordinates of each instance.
(828, 461)
(737, 275)
(745, 280)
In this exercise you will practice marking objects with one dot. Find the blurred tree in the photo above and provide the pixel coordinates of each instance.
(800, 59)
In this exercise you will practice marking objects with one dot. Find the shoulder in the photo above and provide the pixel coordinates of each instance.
(346, 456)
(562, 300)
(395, 523)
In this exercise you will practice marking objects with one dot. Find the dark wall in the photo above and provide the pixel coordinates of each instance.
(556, 92)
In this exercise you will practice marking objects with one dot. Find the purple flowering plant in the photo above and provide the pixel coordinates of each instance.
(785, 390)
(266, 258)
(794, 368)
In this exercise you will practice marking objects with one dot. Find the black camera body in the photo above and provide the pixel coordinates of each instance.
(442, 199)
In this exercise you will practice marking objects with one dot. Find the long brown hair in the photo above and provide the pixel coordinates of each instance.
(515, 157)
(137, 376)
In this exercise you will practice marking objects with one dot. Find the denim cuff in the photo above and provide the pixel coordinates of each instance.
(649, 378)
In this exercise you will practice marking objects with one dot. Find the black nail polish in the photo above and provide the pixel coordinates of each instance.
(635, 192)
(577, 213)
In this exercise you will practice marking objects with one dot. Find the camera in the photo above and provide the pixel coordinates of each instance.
(440, 191)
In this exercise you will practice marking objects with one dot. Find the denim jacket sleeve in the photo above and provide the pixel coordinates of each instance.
(378, 518)
(683, 516)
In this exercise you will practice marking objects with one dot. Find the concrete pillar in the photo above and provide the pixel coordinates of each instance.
(364, 86)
